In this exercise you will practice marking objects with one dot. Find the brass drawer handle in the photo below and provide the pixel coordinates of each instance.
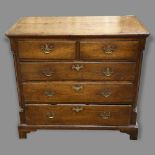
(49, 93)
(47, 48)
(77, 67)
(77, 109)
(109, 48)
(106, 93)
(105, 115)
(108, 71)
(51, 115)
(47, 73)
(77, 88)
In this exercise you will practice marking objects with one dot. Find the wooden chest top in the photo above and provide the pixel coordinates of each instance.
(78, 26)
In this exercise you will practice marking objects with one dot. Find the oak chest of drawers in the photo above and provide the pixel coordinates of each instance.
(78, 72)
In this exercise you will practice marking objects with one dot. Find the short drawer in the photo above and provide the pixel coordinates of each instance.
(78, 91)
(77, 115)
(78, 71)
(46, 49)
(109, 49)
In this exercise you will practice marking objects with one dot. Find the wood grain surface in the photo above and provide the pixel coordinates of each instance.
(89, 115)
(78, 25)
(78, 91)
(33, 49)
(118, 49)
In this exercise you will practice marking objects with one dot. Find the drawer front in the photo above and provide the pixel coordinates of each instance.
(78, 71)
(77, 115)
(78, 92)
(125, 50)
(46, 49)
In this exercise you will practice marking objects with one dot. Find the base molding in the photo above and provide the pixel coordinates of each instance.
(131, 130)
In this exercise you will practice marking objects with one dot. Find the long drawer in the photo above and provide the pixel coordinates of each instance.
(77, 115)
(46, 49)
(109, 49)
(78, 71)
(78, 91)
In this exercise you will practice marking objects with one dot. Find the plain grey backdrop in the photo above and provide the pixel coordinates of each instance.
(75, 142)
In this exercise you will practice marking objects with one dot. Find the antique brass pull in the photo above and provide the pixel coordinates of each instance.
(49, 93)
(107, 71)
(77, 88)
(77, 109)
(47, 73)
(47, 48)
(51, 115)
(106, 93)
(109, 48)
(77, 67)
(105, 115)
